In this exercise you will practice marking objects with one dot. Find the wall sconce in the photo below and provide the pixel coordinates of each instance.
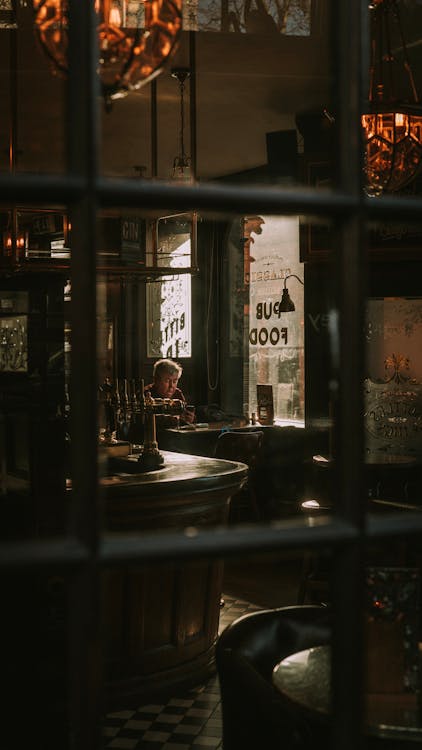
(8, 242)
(287, 304)
(14, 246)
(135, 38)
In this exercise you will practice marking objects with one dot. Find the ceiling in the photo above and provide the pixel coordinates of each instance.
(246, 85)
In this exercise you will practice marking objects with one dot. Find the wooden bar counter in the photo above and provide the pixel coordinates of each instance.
(161, 621)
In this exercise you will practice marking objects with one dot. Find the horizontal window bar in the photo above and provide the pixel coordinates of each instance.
(210, 543)
(225, 542)
(38, 554)
(396, 524)
(144, 194)
(222, 198)
(163, 546)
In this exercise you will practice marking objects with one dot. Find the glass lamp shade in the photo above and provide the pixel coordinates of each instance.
(135, 38)
(393, 141)
(182, 171)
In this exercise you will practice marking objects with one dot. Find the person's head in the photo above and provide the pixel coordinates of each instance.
(166, 375)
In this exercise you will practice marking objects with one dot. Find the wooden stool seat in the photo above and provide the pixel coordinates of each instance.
(244, 447)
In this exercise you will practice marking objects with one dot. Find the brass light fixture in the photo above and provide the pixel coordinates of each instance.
(14, 245)
(182, 163)
(392, 127)
(286, 303)
(15, 240)
(135, 38)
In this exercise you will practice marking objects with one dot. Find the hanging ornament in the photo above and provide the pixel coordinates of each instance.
(134, 39)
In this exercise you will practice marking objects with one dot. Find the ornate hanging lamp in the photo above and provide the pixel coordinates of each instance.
(135, 38)
(392, 126)
(182, 164)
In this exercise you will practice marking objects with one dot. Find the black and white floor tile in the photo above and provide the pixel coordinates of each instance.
(188, 721)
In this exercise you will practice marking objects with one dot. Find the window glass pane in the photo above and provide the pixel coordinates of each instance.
(275, 354)
(254, 104)
(392, 389)
(34, 419)
(291, 19)
(169, 317)
(240, 338)
(174, 240)
(32, 122)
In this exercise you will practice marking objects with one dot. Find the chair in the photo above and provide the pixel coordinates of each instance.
(244, 447)
(254, 713)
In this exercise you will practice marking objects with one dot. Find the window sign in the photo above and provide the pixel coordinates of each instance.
(275, 338)
(169, 310)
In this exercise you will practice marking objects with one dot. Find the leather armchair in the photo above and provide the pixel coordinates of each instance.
(254, 713)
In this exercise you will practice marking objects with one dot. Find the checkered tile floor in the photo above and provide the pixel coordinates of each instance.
(186, 721)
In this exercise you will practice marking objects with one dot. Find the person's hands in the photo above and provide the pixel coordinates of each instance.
(189, 414)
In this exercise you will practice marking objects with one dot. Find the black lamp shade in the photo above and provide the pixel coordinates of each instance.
(286, 304)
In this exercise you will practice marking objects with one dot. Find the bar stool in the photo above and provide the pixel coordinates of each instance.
(244, 447)
(314, 576)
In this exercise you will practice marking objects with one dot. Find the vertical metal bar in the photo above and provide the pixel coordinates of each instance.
(192, 104)
(85, 667)
(83, 161)
(347, 672)
(224, 15)
(13, 129)
(154, 133)
(13, 99)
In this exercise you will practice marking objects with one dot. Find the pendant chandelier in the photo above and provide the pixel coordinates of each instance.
(135, 38)
(182, 164)
(392, 127)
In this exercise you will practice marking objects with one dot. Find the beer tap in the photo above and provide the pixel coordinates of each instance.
(118, 410)
(150, 457)
(133, 399)
(125, 401)
(106, 390)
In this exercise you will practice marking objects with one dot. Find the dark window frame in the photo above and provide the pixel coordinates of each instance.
(84, 553)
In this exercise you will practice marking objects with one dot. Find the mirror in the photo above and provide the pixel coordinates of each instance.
(40, 234)
(174, 242)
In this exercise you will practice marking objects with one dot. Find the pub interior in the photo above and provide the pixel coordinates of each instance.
(236, 187)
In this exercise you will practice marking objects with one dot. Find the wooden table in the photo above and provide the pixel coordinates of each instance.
(199, 441)
(280, 479)
(304, 679)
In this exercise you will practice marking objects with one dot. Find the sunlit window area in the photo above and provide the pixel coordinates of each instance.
(276, 334)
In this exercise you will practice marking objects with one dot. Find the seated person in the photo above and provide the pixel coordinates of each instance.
(166, 375)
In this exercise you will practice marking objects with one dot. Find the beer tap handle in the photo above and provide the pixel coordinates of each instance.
(133, 399)
(142, 400)
(125, 393)
(116, 394)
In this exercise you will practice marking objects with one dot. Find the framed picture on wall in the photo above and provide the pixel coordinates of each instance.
(387, 240)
